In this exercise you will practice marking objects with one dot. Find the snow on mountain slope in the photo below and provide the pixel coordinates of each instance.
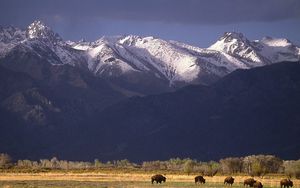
(259, 52)
(237, 45)
(80, 45)
(169, 59)
(278, 49)
(9, 38)
(217, 58)
(103, 58)
(176, 62)
(134, 53)
(39, 39)
(39, 31)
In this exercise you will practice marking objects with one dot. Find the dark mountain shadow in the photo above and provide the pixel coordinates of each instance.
(247, 112)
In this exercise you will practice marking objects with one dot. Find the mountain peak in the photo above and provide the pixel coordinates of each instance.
(39, 29)
(229, 36)
(129, 39)
(229, 40)
(133, 39)
(38, 23)
(237, 45)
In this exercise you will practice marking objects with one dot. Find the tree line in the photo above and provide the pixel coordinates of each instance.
(253, 165)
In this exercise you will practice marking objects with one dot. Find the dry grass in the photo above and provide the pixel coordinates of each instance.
(130, 179)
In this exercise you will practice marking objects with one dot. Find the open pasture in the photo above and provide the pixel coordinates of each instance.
(119, 180)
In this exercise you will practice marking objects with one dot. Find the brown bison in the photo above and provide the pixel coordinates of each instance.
(257, 184)
(229, 180)
(158, 178)
(286, 183)
(199, 179)
(249, 182)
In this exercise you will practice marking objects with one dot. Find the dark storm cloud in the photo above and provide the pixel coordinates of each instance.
(174, 11)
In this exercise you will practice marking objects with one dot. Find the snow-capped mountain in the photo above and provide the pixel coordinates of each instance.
(237, 45)
(9, 38)
(41, 40)
(135, 60)
(137, 54)
(277, 50)
(259, 52)
(178, 62)
(38, 31)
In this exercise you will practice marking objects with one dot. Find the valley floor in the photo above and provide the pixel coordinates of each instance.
(21, 180)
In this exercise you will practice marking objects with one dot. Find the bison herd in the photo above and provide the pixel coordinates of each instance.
(285, 183)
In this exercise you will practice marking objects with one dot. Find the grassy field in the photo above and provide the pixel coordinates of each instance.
(118, 180)
(117, 184)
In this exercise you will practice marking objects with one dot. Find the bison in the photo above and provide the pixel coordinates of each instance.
(158, 178)
(229, 180)
(286, 183)
(249, 181)
(199, 179)
(257, 184)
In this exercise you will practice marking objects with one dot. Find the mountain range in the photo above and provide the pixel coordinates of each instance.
(146, 98)
(144, 65)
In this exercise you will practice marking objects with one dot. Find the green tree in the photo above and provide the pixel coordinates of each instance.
(188, 166)
(213, 168)
(175, 164)
(258, 169)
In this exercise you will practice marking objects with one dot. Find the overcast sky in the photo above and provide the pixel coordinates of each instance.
(197, 22)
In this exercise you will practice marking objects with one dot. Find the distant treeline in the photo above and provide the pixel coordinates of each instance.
(253, 165)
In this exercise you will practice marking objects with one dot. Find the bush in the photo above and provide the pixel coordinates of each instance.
(188, 166)
(260, 165)
(231, 165)
(292, 168)
(5, 160)
(207, 168)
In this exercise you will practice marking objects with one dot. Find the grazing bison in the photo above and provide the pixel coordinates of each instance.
(199, 179)
(249, 181)
(158, 178)
(229, 180)
(286, 183)
(257, 184)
